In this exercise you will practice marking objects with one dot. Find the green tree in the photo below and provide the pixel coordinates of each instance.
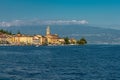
(5, 32)
(10, 33)
(66, 40)
(82, 41)
(18, 32)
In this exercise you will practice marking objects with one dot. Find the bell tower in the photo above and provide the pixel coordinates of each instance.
(48, 30)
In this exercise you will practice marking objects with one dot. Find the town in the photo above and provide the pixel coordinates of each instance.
(7, 38)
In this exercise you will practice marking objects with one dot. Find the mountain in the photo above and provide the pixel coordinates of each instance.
(94, 35)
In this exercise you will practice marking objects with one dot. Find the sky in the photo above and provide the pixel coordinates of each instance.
(95, 12)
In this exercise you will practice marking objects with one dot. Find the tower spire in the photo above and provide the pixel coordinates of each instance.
(48, 30)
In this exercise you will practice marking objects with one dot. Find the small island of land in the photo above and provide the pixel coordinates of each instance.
(8, 38)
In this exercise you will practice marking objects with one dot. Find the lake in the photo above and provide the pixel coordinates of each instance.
(89, 62)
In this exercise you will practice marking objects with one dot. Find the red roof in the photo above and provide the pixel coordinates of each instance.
(3, 36)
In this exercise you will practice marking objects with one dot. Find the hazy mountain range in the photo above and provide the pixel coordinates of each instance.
(94, 35)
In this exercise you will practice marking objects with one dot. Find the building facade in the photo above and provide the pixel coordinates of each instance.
(20, 39)
(53, 38)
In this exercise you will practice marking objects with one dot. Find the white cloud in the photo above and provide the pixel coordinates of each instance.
(12, 23)
(40, 22)
(66, 22)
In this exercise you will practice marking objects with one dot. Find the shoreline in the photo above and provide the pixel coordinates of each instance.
(61, 45)
(43, 45)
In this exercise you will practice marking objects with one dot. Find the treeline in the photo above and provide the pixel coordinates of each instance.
(5, 32)
(82, 41)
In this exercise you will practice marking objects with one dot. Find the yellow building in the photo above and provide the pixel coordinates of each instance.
(9, 39)
(53, 38)
(72, 41)
(39, 40)
(20, 39)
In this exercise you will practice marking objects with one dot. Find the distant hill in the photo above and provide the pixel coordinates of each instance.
(93, 35)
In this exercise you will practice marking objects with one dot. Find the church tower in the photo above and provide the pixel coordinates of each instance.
(48, 30)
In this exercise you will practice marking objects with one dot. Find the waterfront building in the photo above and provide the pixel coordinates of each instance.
(20, 39)
(3, 38)
(39, 40)
(73, 41)
(53, 38)
(9, 39)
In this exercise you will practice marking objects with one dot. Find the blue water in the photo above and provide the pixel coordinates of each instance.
(89, 62)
